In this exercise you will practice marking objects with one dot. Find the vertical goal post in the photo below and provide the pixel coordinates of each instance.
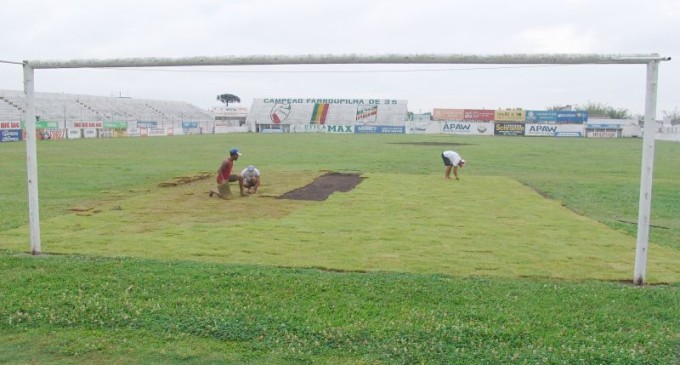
(651, 60)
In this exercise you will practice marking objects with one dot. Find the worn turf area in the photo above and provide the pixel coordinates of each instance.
(387, 223)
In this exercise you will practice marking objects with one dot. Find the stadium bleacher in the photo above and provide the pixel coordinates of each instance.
(70, 107)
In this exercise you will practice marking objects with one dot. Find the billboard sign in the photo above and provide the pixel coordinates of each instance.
(508, 129)
(10, 135)
(479, 114)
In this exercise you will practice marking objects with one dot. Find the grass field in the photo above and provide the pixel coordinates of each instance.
(524, 260)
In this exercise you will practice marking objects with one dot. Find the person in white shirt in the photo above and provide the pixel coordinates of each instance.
(452, 160)
(251, 179)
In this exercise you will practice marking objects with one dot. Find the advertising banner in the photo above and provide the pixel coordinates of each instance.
(430, 127)
(89, 132)
(448, 114)
(115, 125)
(88, 125)
(73, 133)
(554, 130)
(390, 129)
(141, 124)
(508, 129)
(468, 128)
(541, 116)
(10, 125)
(10, 135)
(479, 114)
(603, 126)
(189, 125)
(327, 111)
(567, 116)
(510, 115)
(321, 128)
(43, 124)
(52, 133)
(159, 132)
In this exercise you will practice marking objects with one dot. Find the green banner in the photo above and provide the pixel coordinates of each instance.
(43, 124)
(115, 125)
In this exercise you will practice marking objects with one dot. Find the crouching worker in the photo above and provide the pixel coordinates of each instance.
(251, 179)
(452, 160)
(224, 176)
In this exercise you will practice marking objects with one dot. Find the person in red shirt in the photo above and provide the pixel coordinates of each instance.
(224, 176)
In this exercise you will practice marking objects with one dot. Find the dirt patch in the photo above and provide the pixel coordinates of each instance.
(323, 186)
(434, 143)
(181, 180)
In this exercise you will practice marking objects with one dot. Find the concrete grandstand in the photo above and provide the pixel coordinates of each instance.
(69, 108)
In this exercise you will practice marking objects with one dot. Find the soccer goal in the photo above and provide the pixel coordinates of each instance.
(652, 62)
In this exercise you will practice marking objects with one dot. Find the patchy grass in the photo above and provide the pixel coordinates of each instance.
(521, 261)
(68, 309)
(385, 224)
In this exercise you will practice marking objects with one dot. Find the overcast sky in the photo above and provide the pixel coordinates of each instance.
(103, 29)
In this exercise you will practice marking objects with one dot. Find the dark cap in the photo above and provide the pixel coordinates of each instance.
(234, 151)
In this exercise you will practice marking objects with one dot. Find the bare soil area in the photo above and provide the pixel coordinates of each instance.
(323, 186)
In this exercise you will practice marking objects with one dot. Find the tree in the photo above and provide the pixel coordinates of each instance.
(673, 117)
(598, 109)
(228, 98)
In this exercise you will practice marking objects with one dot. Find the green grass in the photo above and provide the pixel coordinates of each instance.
(134, 310)
(413, 268)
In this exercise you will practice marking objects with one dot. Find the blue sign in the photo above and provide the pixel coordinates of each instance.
(567, 116)
(10, 135)
(541, 116)
(189, 124)
(604, 126)
(380, 129)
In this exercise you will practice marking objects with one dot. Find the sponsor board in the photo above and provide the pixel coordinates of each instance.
(510, 115)
(479, 114)
(43, 124)
(416, 127)
(553, 130)
(448, 114)
(88, 125)
(387, 129)
(10, 125)
(189, 125)
(508, 129)
(105, 133)
(160, 132)
(147, 124)
(567, 116)
(89, 132)
(540, 116)
(325, 111)
(10, 135)
(52, 133)
(321, 128)
(603, 126)
(469, 128)
(603, 133)
(74, 133)
(115, 125)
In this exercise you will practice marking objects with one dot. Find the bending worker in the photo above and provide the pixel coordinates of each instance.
(452, 160)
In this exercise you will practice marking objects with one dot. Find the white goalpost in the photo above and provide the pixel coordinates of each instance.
(651, 60)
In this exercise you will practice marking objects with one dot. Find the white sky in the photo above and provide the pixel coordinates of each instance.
(102, 29)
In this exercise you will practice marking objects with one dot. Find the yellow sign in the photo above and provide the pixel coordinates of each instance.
(510, 115)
